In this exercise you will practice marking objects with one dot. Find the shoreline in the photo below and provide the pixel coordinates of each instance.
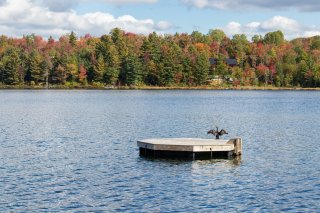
(261, 88)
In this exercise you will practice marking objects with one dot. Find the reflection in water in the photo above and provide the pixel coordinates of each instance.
(237, 160)
(232, 160)
(76, 151)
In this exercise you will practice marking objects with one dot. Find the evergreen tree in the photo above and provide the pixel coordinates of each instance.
(315, 44)
(216, 35)
(198, 37)
(35, 68)
(279, 80)
(110, 54)
(257, 38)
(72, 71)
(99, 69)
(187, 63)
(239, 49)
(276, 38)
(151, 76)
(201, 68)
(119, 40)
(131, 71)
(169, 63)
(10, 67)
(73, 39)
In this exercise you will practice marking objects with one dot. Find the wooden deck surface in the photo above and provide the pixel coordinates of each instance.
(186, 144)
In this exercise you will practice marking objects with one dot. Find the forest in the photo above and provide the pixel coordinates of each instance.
(126, 59)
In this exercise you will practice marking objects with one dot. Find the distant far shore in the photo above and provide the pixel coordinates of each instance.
(90, 87)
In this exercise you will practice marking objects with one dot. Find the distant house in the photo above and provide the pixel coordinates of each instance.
(231, 62)
(219, 80)
(215, 81)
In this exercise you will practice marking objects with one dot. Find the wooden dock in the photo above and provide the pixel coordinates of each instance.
(194, 148)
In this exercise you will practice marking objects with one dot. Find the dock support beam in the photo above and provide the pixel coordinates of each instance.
(237, 146)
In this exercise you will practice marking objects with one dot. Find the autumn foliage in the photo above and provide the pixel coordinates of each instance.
(125, 58)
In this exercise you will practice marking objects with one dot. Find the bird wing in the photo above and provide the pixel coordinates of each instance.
(211, 132)
(222, 131)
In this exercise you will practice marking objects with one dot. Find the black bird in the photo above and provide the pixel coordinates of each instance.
(217, 133)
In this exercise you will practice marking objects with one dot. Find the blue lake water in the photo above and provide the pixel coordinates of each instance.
(76, 151)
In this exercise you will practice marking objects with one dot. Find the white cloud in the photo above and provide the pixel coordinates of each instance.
(281, 23)
(306, 5)
(311, 33)
(291, 28)
(20, 17)
(233, 28)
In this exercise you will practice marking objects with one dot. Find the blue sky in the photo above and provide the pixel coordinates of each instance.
(57, 17)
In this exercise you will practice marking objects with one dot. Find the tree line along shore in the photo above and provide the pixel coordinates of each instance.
(124, 60)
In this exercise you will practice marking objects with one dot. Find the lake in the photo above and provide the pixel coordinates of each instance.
(76, 151)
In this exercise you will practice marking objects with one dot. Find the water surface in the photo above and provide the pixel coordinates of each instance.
(76, 151)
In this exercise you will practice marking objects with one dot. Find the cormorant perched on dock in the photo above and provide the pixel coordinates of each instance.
(217, 133)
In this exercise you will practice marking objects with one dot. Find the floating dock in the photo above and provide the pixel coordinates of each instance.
(192, 148)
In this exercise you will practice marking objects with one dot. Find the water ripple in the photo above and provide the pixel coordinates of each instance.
(76, 151)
